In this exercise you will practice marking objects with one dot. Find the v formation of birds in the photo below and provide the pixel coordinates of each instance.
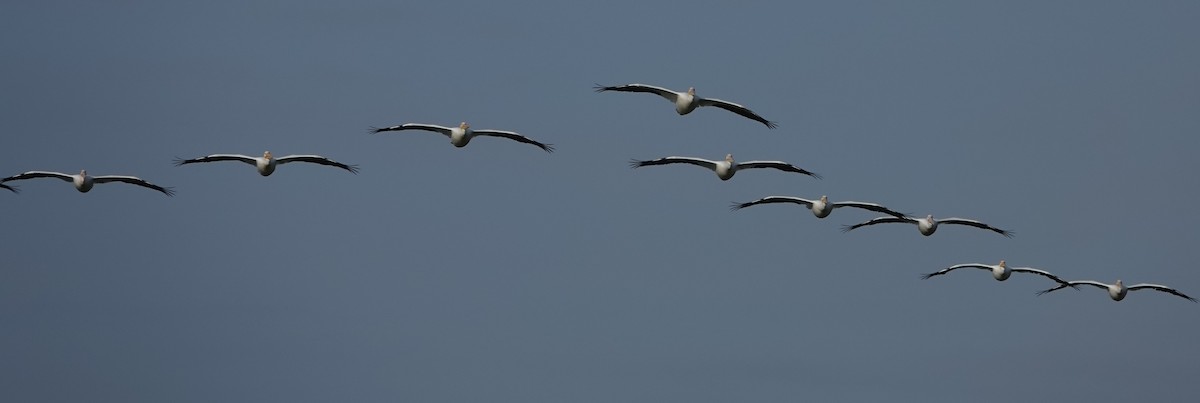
(685, 102)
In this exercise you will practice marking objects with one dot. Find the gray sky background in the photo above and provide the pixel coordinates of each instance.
(498, 272)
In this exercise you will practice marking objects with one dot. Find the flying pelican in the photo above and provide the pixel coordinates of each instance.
(1000, 271)
(686, 102)
(84, 182)
(461, 135)
(266, 163)
(724, 169)
(13, 189)
(1117, 291)
(928, 225)
(820, 207)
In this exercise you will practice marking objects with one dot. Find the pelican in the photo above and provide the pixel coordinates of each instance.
(266, 163)
(686, 102)
(820, 207)
(461, 135)
(84, 182)
(1000, 271)
(928, 225)
(13, 189)
(724, 169)
(1117, 291)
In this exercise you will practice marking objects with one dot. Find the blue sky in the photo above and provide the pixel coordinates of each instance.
(497, 272)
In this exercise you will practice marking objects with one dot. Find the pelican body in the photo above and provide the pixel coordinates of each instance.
(1000, 271)
(686, 102)
(84, 182)
(928, 225)
(1118, 290)
(266, 163)
(820, 208)
(461, 135)
(726, 168)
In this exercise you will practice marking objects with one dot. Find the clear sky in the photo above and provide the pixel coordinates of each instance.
(500, 273)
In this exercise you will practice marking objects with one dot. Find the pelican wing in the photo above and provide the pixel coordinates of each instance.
(976, 224)
(1162, 288)
(445, 131)
(870, 206)
(738, 109)
(1042, 273)
(13, 189)
(773, 199)
(880, 220)
(1075, 284)
(218, 157)
(133, 180)
(675, 160)
(956, 267)
(39, 174)
(317, 159)
(662, 92)
(514, 136)
(780, 165)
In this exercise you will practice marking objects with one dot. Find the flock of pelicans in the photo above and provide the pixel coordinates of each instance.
(685, 103)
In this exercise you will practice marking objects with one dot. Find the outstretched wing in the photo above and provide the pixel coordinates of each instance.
(514, 136)
(317, 159)
(675, 160)
(660, 91)
(39, 174)
(738, 109)
(133, 180)
(218, 157)
(880, 220)
(870, 206)
(445, 131)
(976, 224)
(780, 165)
(1042, 273)
(773, 199)
(955, 267)
(1162, 288)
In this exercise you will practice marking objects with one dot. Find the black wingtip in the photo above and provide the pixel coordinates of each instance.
(548, 147)
(737, 206)
(600, 88)
(847, 228)
(352, 168)
(636, 164)
(178, 161)
(771, 124)
(927, 276)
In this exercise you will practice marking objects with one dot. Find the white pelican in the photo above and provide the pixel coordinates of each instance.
(266, 163)
(1117, 291)
(13, 189)
(724, 169)
(686, 102)
(820, 207)
(928, 225)
(1000, 271)
(84, 182)
(461, 135)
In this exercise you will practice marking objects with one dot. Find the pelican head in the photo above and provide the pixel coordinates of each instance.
(729, 158)
(82, 172)
(929, 217)
(464, 126)
(691, 90)
(267, 154)
(824, 199)
(1119, 284)
(1002, 264)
